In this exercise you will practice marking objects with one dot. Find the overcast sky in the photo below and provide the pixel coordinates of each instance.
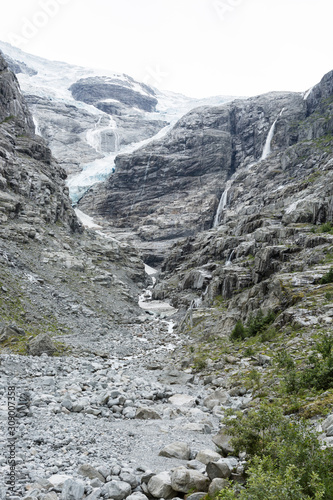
(199, 48)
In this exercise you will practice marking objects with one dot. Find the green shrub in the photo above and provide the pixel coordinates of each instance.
(284, 360)
(255, 325)
(239, 332)
(319, 372)
(286, 458)
(325, 228)
(327, 278)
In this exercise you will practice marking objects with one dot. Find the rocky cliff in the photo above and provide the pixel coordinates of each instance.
(100, 91)
(43, 248)
(172, 187)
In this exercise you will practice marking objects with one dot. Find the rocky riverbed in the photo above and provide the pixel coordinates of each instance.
(88, 426)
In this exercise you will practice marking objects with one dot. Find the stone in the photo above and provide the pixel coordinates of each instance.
(206, 456)
(218, 469)
(218, 397)
(175, 377)
(72, 490)
(89, 471)
(137, 495)
(264, 360)
(217, 485)
(41, 344)
(222, 440)
(196, 496)
(117, 490)
(11, 331)
(178, 450)
(184, 480)
(131, 479)
(183, 400)
(58, 480)
(159, 486)
(327, 423)
(147, 414)
(50, 496)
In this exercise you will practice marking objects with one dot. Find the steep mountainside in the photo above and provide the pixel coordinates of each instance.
(43, 249)
(172, 187)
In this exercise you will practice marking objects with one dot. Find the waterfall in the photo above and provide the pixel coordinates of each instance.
(223, 203)
(37, 128)
(307, 93)
(267, 148)
(147, 169)
(229, 259)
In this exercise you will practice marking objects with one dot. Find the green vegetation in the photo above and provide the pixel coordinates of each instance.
(8, 119)
(255, 325)
(286, 459)
(319, 372)
(327, 227)
(327, 278)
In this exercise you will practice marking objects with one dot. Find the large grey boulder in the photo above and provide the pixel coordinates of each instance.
(89, 471)
(117, 490)
(175, 377)
(206, 456)
(218, 397)
(182, 401)
(178, 450)
(184, 480)
(137, 495)
(11, 331)
(147, 414)
(218, 469)
(42, 344)
(159, 486)
(72, 490)
(327, 425)
(217, 485)
(222, 440)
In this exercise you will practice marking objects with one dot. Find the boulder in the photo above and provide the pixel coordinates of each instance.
(218, 397)
(117, 490)
(217, 485)
(184, 480)
(58, 480)
(218, 469)
(178, 450)
(147, 414)
(137, 495)
(72, 490)
(159, 486)
(206, 456)
(183, 400)
(11, 331)
(222, 440)
(40, 344)
(327, 426)
(89, 471)
(197, 496)
(175, 377)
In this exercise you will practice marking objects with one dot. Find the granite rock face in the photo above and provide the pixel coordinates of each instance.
(171, 188)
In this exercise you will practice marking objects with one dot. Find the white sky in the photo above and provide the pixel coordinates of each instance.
(199, 48)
